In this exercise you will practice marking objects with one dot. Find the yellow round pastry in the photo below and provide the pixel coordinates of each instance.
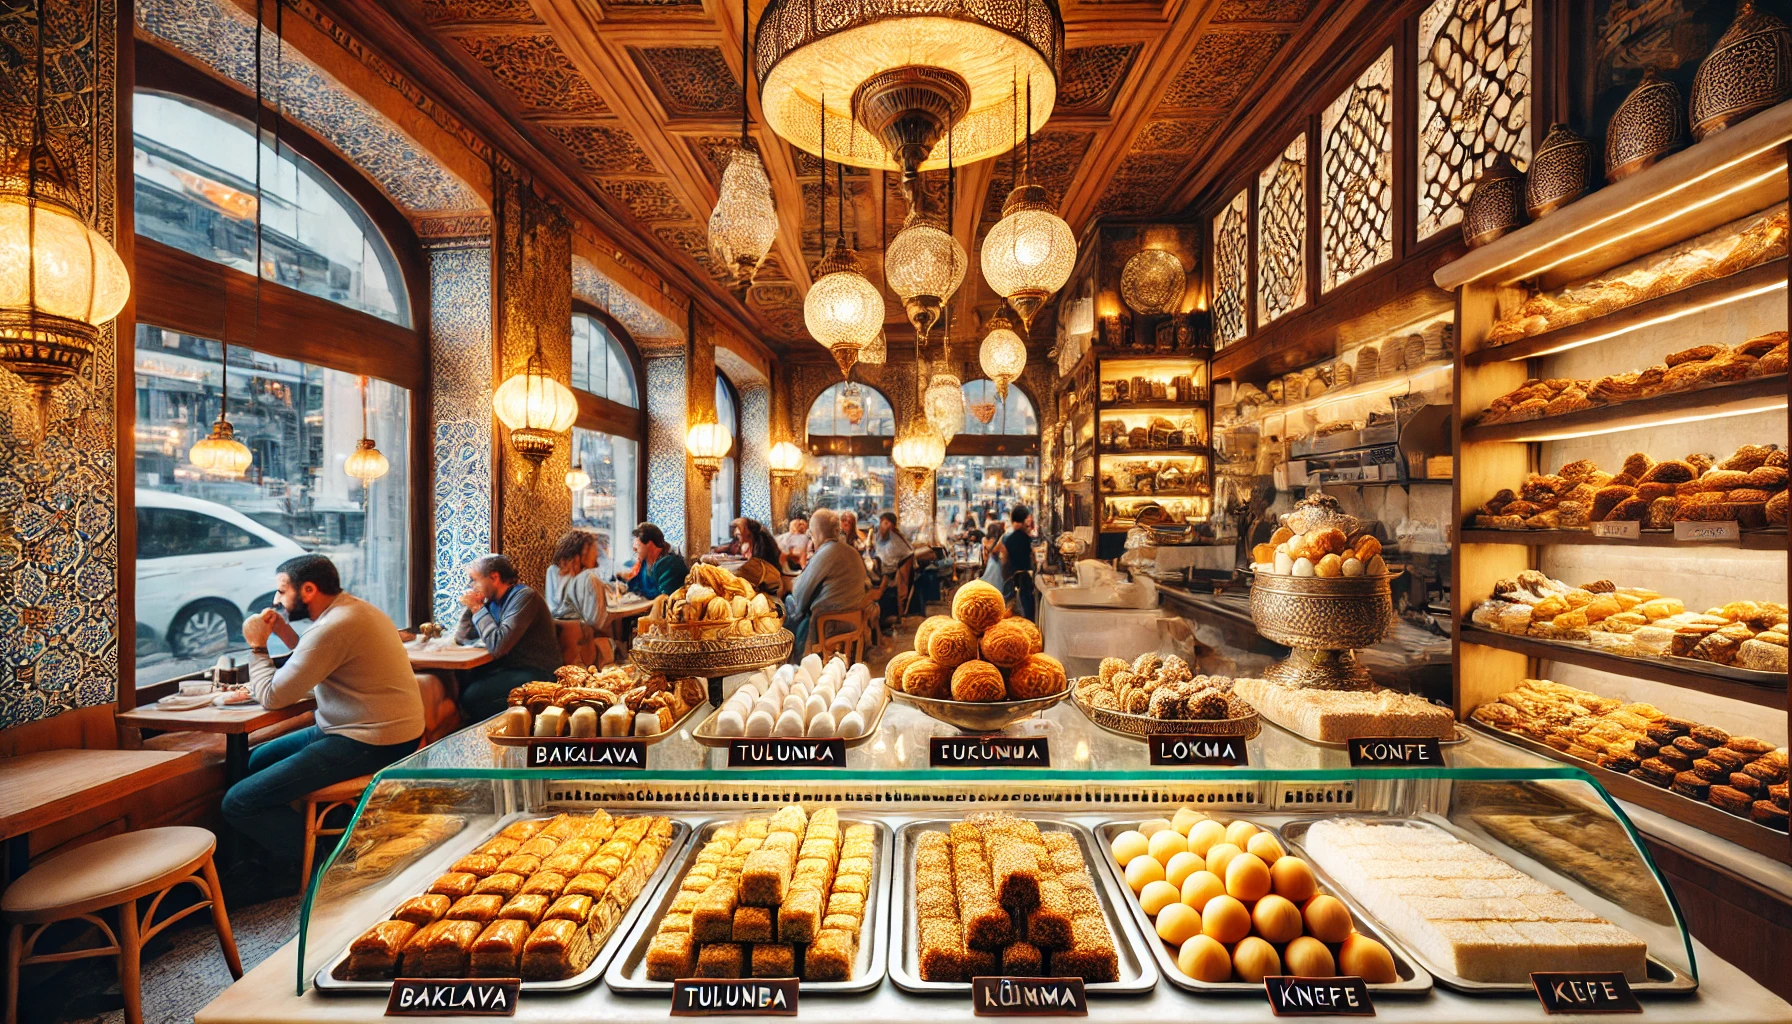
(976, 681)
(1363, 957)
(1205, 835)
(1185, 819)
(1254, 959)
(898, 665)
(1239, 833)
(1276, 919)
(1041, 675)
(924, 632)
(1178, 923)
(1178, 869)
(1167, 843)
(925, 677)
(1307, 957)
(1218, 857)
(1225, 919)
(1265, 846)
(952, 645)
(1291, 877)
(1200, 888)
(1127, 845)
(1204, 959)
(1247, 877)
(1142, 871)
(1152, 826)
(978, 605)
(1327, 920)
(1035, 639)
(1158, 895)
(1005, 644)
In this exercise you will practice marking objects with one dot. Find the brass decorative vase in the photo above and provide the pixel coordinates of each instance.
(1647, 126)
(1325, 621)
(1559, 173)
(1496, 206)
(1749, 70)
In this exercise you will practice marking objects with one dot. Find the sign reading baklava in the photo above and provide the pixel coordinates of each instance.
(588, 752)
(734, 997)
(787, 753)
(1396, 752)
(1177, 749)
(988, 752)
(1585, 992)
(1292, 996)
(453, 997)
(1029, 997)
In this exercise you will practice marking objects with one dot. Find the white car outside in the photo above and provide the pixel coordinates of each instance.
(201, 568)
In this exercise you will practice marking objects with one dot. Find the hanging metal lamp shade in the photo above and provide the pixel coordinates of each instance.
(745, 221)
(843, 310)
(924, 266)
(1030, 252)
(1003, 355)
(943, 402)
(536, 408)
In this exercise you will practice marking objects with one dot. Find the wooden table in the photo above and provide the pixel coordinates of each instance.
(448, 658)
(43, 788)
(235, 723)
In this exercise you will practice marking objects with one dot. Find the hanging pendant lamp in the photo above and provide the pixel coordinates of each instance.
(843, 310)
(365, 463)
(877, 352)
(745, 221)
(577, 479)
(1003, 354)
(943, 401)
(219, 453)
(1030, 252)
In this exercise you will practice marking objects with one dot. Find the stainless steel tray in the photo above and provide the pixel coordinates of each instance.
(628, 972)
(1664, 978)
(705, 732)
(327, 982)
(1138, 973)
(1413, 979)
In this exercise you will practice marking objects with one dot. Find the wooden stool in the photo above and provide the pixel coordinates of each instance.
(850, 643)
(318, 804)
(113, 872)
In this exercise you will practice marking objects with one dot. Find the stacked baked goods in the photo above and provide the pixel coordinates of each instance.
(978, 654)
(1337, 716)
(810, 699)
(1464, 910)
(599, 702)
(535, 902)
(1236, 907)
(770, 897)
(1318, 539)
(1161, 687)
(1748, 487)
(1720, 252)
(1696, 367)
(999, 896)
(1636, 622)
(1740, 774)
(713, 604)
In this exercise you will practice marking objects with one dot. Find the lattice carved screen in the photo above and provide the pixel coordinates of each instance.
(1231, 271)
(1282, 233)
(1474, 93)
(1356, 181)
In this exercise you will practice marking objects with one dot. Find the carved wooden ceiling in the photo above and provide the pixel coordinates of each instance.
(641, 99)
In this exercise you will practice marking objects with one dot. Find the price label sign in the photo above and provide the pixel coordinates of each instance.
(1618, 531)
(1188, 751)
(734, 997)
(1029, 997)
(1293, 996)
(1726, 532)
(1585, 992)
(1396, 752)
(988, 752)
(787, 753)
(588, 752)
(454, 997)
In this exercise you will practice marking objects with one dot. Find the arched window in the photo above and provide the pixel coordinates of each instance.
(600, 365)
(852, 410)
(988, 468)
(607, 438)
(195, 174)
(987, 414)
(856, 473)
(724, 490)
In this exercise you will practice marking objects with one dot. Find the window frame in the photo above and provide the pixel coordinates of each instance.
(999, 444)
(178, 291)
(847, 444)
(600, 414)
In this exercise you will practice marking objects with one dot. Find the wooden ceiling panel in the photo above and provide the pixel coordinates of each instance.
(602, 147)
(534, 69)
(1092, 77)
(516, 11)
(689, 81)
(1277, 11)
(1222, 68)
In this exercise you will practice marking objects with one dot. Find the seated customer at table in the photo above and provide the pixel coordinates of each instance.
(574, 591)
(512, 622)
(795, 547)
(833, 581)
(369, 713)
(657, 569)
(761, 565)
(739, 545)
(849, 531)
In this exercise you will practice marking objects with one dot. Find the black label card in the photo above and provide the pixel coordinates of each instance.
(1292, 996)
(1396, 752)
(1585, 992)
(728, 997)
(1029, 997)
(453, 997)
(988, 752)
(1177, 749)
(787, 753)
(589, 752)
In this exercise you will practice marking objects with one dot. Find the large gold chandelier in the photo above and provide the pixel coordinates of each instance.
(744, 222)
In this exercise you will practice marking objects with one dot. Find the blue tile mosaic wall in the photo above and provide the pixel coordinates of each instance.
(665, 444)
(755, 465)
(460, 323)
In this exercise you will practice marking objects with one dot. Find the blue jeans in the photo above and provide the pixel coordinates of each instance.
(485, 691)
(285, 769)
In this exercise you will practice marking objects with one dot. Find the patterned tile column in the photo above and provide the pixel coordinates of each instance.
(755, 451)
(666, 470)
(460, 364)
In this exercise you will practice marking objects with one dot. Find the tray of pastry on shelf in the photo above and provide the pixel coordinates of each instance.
(1742, 640)
(1742, 775)
(1155, 694)
(992, 893)
(587, 702)
(1747, 487)
(790, 894)
(809, 699)
(546, 900)
(1699, 368)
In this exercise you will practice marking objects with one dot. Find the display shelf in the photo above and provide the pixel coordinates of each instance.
(1199, 450)
(1721, 680)
(1737, 398)
(1729, 175)
(1758, 280)
(1126, 407)
(1750, 540)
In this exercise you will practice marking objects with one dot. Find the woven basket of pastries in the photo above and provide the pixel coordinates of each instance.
(714, 625)
(978, 668)
(1157, 694)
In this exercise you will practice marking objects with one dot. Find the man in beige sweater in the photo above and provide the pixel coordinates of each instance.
(369, 712)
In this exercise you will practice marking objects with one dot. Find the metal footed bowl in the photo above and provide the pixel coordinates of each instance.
(1143, 727)
(976, 716)
(677, 656)
(1324, 620)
